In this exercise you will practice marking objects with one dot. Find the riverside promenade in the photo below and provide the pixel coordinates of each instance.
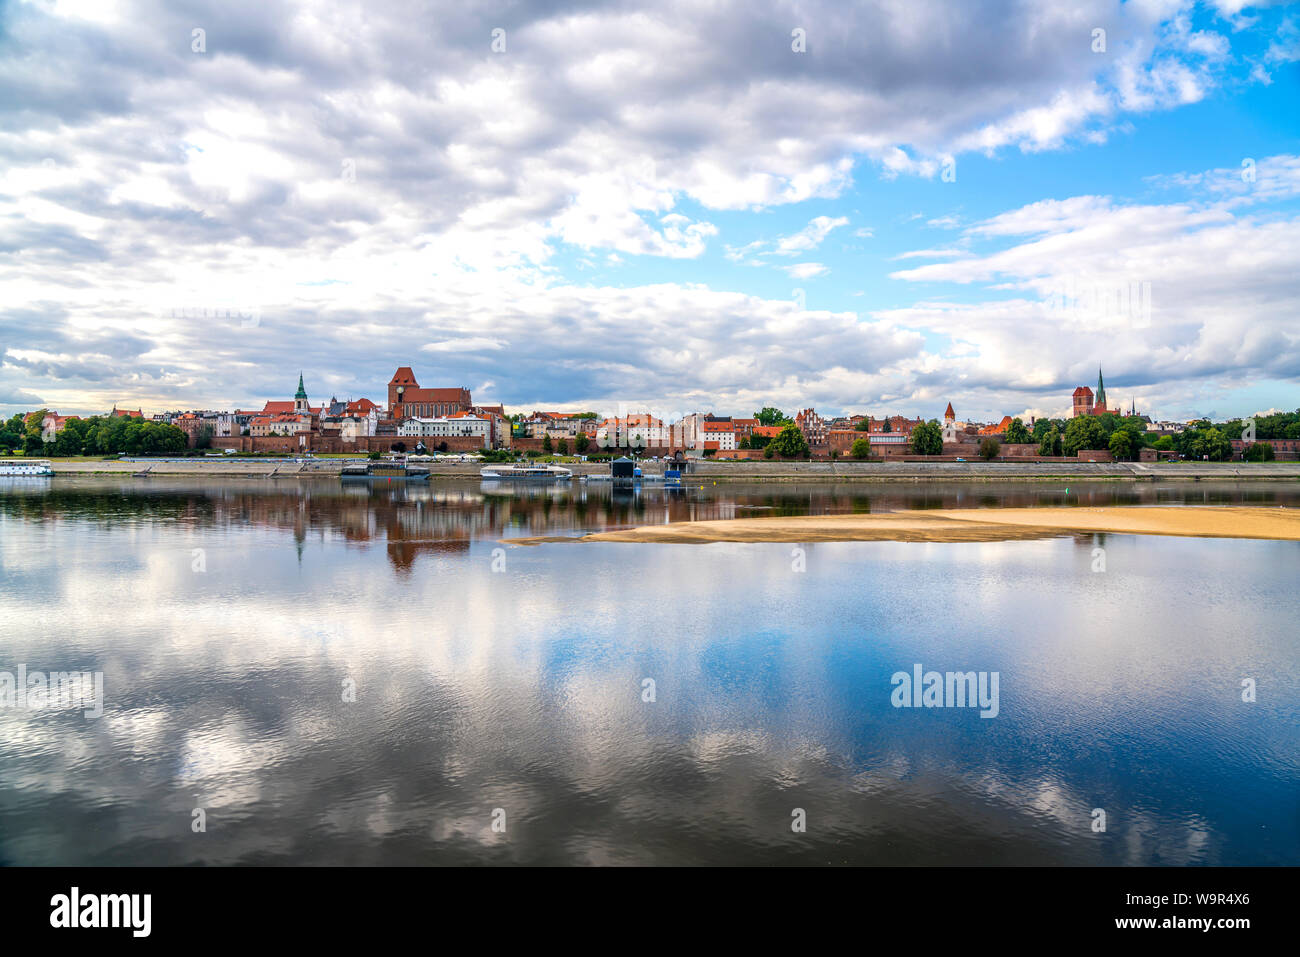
(720, 472)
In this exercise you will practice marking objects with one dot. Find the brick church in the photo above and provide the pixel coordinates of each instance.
(1084, 401)
(406, 398)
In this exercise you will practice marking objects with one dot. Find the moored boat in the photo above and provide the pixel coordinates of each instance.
(526, 473)
(38, 468)
(394, 471)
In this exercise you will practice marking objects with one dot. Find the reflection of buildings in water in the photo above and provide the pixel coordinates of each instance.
(446, 515)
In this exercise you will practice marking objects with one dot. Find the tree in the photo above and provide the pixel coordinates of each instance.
(580, 443)
(769, 416)
(1083, 432)
(547, 447)
(1017, 434)
(760, 442)
(204, 439)
(67, 442)
(1258, 452)
(789, 443)
(33, 437)
(927, 438)
(989, 449)
(1050, 442)
(860, 448)
(863, 424)
(1123, 444)
(1164, 444)
(1202, 440)
(886, 426)
(563, 447)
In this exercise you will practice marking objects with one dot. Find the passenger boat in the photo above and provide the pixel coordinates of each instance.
(526, 473)
(26, 467)
(394, 471)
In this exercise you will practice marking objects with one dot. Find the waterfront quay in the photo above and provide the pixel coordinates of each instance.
(745, 471)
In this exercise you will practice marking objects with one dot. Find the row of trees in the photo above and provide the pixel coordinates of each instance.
(93, 436)
(580, 445)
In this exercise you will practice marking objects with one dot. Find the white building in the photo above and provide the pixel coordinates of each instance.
(459, 425)
(723, 433)
(356, 424)
(1165, 426)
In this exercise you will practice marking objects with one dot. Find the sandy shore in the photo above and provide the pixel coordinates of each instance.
(971, 525)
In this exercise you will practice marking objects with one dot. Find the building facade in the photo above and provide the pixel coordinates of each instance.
(460, 425)
(813, 427)
(407, 399)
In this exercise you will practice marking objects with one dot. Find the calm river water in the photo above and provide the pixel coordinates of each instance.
(302, 673)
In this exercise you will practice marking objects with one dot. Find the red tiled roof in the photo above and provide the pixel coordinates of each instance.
(286, 407)
(1082, 390)
(948, 413)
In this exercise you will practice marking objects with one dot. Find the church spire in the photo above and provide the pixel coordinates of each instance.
(302, 392)
(1101, 390)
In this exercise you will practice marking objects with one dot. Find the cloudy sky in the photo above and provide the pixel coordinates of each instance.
(696, 205)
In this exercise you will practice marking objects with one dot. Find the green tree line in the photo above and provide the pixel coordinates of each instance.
(94, 436)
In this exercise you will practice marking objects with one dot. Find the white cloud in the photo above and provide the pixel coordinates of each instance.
(806, 270)
(810, 237)
(368, 180)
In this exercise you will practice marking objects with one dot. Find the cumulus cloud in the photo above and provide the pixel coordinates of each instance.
(810, 237)
(342, 185)
(807, 270)
(1158, 293)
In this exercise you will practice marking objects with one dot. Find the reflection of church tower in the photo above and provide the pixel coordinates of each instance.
(300, 399)
(1099, 403)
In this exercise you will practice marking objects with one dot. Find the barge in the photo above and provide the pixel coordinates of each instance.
(526, 473)
(394, 471)
(29, 468)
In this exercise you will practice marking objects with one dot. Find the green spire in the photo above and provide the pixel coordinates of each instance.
(302, 393)
(1101, 388)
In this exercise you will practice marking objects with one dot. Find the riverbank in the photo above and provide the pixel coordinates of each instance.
(969, 525)
(705, 472)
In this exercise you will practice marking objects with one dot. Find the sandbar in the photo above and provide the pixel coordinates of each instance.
(969, 525)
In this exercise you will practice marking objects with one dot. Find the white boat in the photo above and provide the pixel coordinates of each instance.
(527, 473)
(36, 467)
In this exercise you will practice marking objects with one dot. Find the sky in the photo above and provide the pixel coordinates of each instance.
(705, 205)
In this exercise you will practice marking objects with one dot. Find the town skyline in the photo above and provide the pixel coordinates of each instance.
(622, 407)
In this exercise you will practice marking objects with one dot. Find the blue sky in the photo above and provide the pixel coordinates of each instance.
(664, 208)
